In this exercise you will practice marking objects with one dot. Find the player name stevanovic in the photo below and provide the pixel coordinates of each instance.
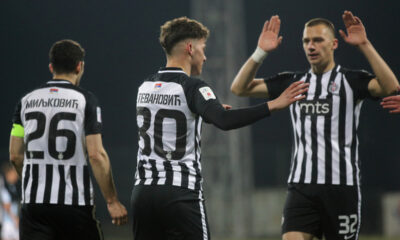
(52, 102)
(165, 99)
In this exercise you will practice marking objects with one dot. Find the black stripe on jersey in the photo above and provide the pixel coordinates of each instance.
(169, 175)
(327, 132)
(154, 173)
(142, 174)
(303, 137)
(86, 184)
(342, 131)
(35, 180)
(185, 175)
(61, 188)
(314, 133)
(27, 175)
(74, 184)
(48, 184)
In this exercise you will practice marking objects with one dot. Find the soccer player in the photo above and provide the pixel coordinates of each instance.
(167, 199)
(55, 128)
(392, 103)
(324, 183)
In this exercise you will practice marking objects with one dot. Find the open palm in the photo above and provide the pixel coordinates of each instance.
(269, 38)
(356, 34)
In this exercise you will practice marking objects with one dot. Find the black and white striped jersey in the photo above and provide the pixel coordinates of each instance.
(325, 125)
(169, 109)
(56, 118)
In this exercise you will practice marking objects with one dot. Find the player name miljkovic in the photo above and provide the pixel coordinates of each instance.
(52, 102)
(165, 99)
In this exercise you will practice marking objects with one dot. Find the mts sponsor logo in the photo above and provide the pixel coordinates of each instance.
(316, 107)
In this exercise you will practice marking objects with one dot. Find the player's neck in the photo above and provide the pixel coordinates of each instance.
(69, 77)
(180, 63)
(323, 68)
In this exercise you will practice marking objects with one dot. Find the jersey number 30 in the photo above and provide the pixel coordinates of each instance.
(181, 128)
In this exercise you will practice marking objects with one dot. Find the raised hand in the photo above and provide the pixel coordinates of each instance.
(292, 94)
(269, 38)
(356, 34)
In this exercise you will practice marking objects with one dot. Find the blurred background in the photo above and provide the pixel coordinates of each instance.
(245, 170)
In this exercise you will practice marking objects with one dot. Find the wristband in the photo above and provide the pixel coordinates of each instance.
(259, 55)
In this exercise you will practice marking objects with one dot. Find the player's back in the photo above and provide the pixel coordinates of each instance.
(55, 120)
(169, 132)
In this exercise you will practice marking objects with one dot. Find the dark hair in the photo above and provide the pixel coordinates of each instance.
(323, 21)
(65, 55)
(179, 29)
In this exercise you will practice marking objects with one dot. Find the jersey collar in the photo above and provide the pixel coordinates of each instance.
(171, 70)
(59, 81)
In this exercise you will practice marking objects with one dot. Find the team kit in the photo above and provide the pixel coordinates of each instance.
(56, 137)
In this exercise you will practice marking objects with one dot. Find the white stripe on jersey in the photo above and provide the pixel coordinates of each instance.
(41, 183)
(55, 187)
(349, 133)
(335, 133)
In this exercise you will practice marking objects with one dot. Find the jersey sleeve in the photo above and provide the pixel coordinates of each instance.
(359, 80)
(278, 83)
(200, 96)
(17, 127)
(93, 124)
(17, 114)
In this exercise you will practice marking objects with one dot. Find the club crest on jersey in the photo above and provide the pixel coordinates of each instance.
(53, 90)
(157, 86)
(333, 88)
(207, 93)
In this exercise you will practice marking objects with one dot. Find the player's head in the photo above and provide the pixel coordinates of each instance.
(319, 42)
(66, 57)
(9, 172)
(184, 37)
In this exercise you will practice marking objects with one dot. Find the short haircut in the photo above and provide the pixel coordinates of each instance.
(323, 21)
(179, 29)
(65, 55)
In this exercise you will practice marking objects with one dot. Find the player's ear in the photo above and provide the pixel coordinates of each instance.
(189, 47)
(79, 67)
(335, 44)
(51, 68)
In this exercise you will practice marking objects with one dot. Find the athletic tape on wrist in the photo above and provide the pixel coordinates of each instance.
(259, 55)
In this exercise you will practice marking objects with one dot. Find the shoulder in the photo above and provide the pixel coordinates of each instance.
(287, 75)
(356, 74)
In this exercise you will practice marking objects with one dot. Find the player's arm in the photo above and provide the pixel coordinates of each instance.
(236, 118)
(102, 172)
(16, 148)
(245, 83)
(385, 82)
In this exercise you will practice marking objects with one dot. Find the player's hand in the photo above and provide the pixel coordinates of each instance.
(269, 38)
(392, 103)
(118, 213)
(292, 94)
(356, 34)
(226, 106)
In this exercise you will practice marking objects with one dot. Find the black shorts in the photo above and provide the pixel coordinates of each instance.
(323, 210)
(168, 212)
(58, 222)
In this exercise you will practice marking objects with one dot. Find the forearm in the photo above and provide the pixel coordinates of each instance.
(385, 76)
(102, 172)
(247, 73)
(237, 118)
(18, 162)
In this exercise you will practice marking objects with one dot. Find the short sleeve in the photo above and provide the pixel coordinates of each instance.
(199, 96)
(359, 80)
(278, 83)
(93, 123)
